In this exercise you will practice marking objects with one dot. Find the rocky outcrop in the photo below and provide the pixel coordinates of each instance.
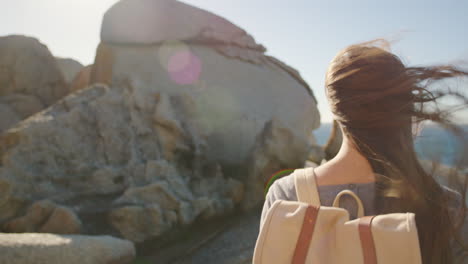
(189, 126)
(30, 79)
(131, 154)
(69, 68)
(59, 249)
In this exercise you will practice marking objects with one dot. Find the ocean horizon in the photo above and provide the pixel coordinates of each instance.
(433, 143)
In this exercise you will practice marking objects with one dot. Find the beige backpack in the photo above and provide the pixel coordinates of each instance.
(305, 232)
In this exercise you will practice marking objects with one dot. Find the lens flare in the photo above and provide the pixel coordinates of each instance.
(184, 67)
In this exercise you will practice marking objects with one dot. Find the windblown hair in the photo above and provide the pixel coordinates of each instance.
(377, 100)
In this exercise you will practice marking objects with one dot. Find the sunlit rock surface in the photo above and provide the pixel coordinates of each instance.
(154, 21)
(33, 248)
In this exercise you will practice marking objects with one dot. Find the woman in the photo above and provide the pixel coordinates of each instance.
(376, 100)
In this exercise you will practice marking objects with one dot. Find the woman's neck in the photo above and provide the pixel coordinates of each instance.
(348, 166)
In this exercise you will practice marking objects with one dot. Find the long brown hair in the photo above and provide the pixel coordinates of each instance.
(377, 99)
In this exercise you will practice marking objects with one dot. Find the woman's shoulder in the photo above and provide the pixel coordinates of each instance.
(283, 189)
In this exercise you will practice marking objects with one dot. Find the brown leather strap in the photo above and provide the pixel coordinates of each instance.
(367, 241)
(307, 230)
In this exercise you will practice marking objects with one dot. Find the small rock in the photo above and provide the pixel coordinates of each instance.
(36, 214)
(138, 223)
(46, 217)
(62, 221)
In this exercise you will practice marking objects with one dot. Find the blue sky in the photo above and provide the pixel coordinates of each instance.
(306, 34)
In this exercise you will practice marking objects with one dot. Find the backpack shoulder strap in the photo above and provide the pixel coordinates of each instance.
(306, 186)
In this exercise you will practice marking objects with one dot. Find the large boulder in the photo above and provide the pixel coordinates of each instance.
(175, 48)
(33, 248)
(30, 79)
